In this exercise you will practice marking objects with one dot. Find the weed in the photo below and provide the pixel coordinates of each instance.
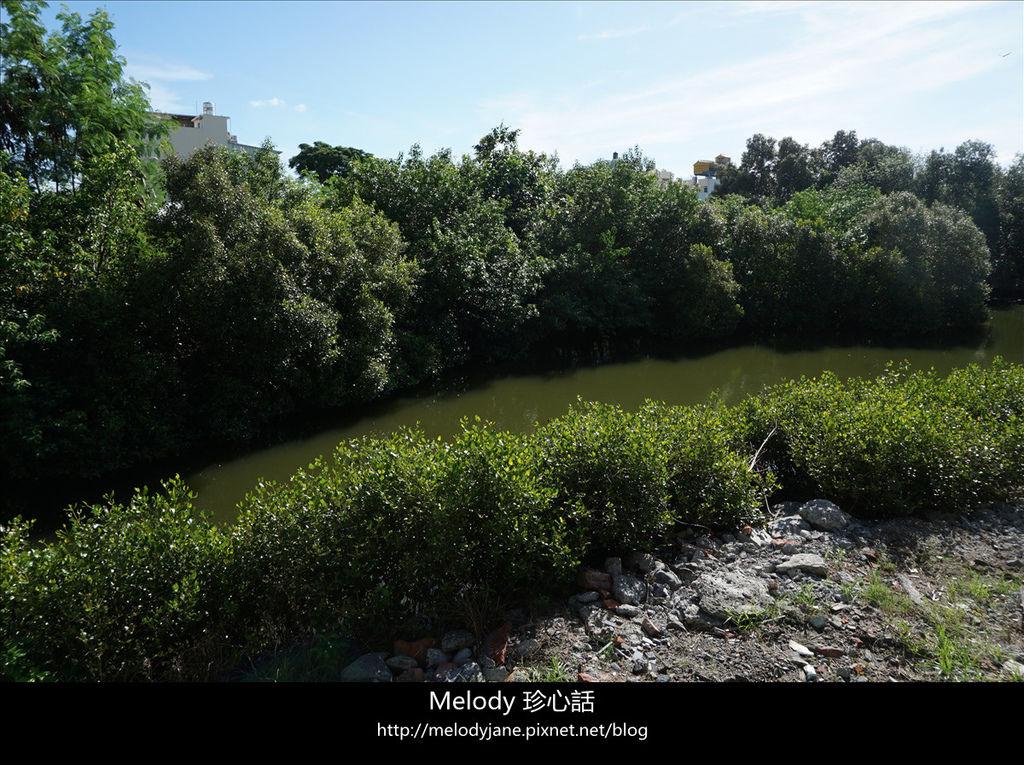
(885, 563)
(879, 594)
(806, 599)
(552, 672)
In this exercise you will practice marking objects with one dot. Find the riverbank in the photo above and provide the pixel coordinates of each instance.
(813, 595)
(393, 531)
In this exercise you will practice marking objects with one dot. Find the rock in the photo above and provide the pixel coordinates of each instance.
(527, 648)
(667, 577)
(801, 650)
(368, 668)
(824, 515)
(818, 622)
(728, 593)
(588, 597)
(1014, 668)
(649, 628)
(411, 676)
(910, 589)
(809, 562)
(435, 657)
(787, 526)
(469, 673)
(628, 589)
(691, 616)
(809, 673)
(496, 675)
(760, 538)
(401, 663)
(644, 562)
(463, 656)
(627, 610)
(613, 566)
(455, 641)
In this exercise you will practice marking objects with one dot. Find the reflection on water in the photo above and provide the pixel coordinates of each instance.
(516, 403)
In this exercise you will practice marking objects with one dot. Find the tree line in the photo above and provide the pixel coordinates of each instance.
(968, 178)
(151, 306)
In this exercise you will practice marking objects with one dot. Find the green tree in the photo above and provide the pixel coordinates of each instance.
(326, 161)
(793, 169)
(64, 99)
(1008, 268)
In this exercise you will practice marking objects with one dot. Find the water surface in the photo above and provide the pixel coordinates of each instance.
(517, 403)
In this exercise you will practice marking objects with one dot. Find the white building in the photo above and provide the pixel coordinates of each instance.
(705, 185)
(191, 133)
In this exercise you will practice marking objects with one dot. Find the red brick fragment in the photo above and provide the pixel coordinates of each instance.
(496, 643)
(610, 604)
(590, 579)
(828, 652)
(417, 649)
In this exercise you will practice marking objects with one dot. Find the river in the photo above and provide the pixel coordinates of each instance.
(517, 403)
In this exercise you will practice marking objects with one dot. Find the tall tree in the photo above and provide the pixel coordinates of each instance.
(326, 161)
(64, 98)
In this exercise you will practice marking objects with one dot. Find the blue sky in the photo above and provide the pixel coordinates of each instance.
(683, 81)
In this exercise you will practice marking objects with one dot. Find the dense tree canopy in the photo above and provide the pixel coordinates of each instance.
(326, 161)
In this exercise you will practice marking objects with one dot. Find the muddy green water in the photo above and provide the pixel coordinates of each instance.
(517, 403)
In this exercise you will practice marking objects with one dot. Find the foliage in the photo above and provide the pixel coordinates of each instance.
(387, 531)
(63, 96)
(326, 161)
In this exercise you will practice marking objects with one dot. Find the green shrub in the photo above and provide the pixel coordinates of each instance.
(125, 592)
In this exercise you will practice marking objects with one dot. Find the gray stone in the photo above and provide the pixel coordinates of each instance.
(613, 566)
(910, 589)
(587, 597)
(644, 562)
(667, 577)
(691, 616)
(496, 675)
(463, 656)
(455, 641)
(435, 657)
(801, 650)
(660, 592)
(760, 538)
(470, 673)
(401, 663)
(785, 508)
(809, 562)
(824, 515)
(627, 610)
(729, 593)
(788, 526)
(368, 668)
(1014, 668)
(790, 548)
(527, 648)
(819, 622)
(628, 589)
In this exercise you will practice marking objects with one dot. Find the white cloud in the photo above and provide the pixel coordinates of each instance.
(274, 102)
(300, 108)
(159, 74)
(836, 64)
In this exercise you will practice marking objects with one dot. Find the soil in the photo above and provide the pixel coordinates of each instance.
(899, 600)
